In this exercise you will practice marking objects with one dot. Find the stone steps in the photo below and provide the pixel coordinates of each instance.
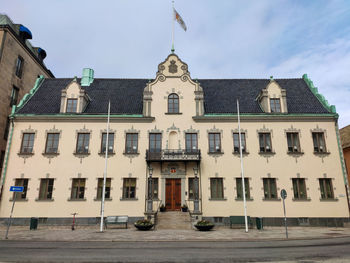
(174, 220)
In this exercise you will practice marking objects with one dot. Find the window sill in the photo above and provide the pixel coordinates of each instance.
(218, 199)
(301, 199)
(81, 154)
(25, 154)
(19, 200)
(106, 199)
(271, 199)
(131, 153)
(241, 199)
(79, 200)
(44, 200)
(329, 199)
(129, 199)
(322, 153)
(175, 113)
(103, 154)
(213, 153)
(50, 154)
(238, 153)
(295, 153)
(267, 153)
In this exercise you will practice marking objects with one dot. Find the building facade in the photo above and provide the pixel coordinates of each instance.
(345, 139)
(20, 65)
(174, 140)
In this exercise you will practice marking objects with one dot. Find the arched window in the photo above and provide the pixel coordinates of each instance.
(173, 103)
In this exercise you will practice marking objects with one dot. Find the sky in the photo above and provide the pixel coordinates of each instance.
(224, 39)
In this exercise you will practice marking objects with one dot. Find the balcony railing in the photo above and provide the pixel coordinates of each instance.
(173, 155)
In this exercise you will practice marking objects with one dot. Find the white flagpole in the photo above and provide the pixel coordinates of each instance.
(173, 29)
(242, 171)
(105, 171)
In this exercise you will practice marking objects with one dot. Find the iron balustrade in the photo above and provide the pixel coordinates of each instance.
(173, 155)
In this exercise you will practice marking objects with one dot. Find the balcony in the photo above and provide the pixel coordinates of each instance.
(173, 155)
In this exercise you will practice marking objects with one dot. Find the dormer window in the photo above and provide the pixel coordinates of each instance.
(71, 105)
(173, 103)
(275, 105)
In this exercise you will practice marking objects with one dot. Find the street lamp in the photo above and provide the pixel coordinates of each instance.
(150, 195)
(196, 188)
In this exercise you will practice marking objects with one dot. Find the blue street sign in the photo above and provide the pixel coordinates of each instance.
(16, 189)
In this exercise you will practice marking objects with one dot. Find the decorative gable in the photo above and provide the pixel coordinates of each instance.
(273, 99)
(74, 98)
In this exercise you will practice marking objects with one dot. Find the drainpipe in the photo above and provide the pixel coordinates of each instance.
(342, 163)
(3, 177)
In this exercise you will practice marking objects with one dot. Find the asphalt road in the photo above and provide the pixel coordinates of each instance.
(319, 250)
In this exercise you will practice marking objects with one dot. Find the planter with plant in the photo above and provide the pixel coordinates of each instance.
(184, 208)
(162, 208)
(204, 225)
(143, 224)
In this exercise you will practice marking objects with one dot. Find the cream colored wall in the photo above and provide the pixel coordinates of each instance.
(282, 166)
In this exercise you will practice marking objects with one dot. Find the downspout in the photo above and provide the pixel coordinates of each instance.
(342, 163)
(3, 177)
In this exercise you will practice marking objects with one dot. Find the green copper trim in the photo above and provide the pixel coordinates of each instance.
(77, 116)
(320, 97)
(27, 96)
(7, 156)
(271, 115)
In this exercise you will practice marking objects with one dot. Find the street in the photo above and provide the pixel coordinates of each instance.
(316, 250)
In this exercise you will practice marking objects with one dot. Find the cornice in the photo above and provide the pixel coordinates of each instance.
(265, 117)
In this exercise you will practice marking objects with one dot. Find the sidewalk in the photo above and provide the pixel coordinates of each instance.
(91, 233)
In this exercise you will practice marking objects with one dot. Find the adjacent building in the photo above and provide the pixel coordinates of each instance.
(345, 139)
(174, 140)
(20, 66)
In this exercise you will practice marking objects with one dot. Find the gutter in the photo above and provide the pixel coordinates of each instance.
(3, 177)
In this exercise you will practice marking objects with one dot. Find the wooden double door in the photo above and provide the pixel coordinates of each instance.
(173, 194)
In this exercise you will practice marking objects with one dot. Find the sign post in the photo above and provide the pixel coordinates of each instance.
(284, 196)
(14, 189)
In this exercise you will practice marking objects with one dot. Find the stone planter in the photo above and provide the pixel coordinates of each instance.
(204, 227)
(143, 227)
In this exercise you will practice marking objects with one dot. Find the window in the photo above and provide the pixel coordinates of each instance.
(239, 188)
(110, 142)
(83, 143)
(14, 96)
(24, 183)
(275, 105)
(100, 188)
(2, 157)
(191, 142)
(214, 142)
(78, 188)
(7, 128)
(191, 189)
(293, 142)
(131, 143)
(154, 188)
(319, 143)
(216, 188)
(129, 188)
(270, 189)
(52, 143)
(236, 143)
(71, 105)
(299, 188)
(265, 142)
(326, 188)
(19, 66)
(155, 142)
(173, 103)
(27, 143)
(46, 188)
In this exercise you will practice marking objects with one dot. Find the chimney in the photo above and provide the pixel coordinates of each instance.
(88, 77)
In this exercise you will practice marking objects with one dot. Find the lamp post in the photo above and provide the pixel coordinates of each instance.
(196, 192)
(150, 196)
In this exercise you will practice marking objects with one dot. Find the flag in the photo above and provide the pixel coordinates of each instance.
(178, 18)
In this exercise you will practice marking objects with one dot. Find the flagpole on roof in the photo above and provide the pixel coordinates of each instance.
(105, 171)
(173, 29)
(242, 171)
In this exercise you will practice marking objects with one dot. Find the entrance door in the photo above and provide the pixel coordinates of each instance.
(173, 194)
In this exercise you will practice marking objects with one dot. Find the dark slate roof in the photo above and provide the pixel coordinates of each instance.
(220, 96)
